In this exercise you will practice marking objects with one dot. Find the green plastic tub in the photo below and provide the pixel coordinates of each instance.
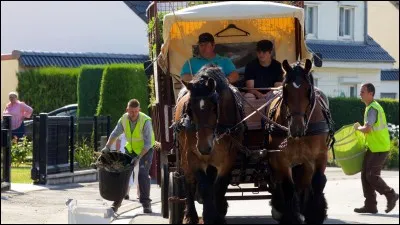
(349, 149)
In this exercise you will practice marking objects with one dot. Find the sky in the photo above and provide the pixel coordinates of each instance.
(73, 26)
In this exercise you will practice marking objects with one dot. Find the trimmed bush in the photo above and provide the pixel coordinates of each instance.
(84, 155)
(21, 151)
(46, 89)
(392, 160)
(89, 90)
(350, 110)
(121, 83)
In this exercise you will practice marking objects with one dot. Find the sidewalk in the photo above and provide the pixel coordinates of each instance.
(28, 203)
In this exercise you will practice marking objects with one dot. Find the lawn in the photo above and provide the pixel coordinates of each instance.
(21, 174)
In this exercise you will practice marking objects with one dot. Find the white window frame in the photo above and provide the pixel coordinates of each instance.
(354, 93)
(351, 28)
(389, 93)
(314, 34)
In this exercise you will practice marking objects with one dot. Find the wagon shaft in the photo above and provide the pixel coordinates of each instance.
(175, 199)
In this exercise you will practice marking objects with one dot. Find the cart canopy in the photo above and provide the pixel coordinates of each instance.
(262, 20)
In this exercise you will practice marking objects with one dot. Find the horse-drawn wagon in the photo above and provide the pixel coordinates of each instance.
(212, 137)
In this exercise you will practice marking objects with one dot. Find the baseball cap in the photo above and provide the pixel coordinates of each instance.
(264, 45)
(205, 37)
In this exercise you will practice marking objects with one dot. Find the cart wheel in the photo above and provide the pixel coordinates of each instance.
(164, 191)
(175, 208)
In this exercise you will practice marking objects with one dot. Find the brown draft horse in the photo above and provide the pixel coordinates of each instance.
(208, 109)
(298, 168)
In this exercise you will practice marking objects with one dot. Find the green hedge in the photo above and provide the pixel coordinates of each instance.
(120, 83)
(46, 89)
(89, 89)
(350, 110)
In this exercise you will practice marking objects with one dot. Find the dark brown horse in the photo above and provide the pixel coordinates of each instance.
(298, 168)
(207, 110)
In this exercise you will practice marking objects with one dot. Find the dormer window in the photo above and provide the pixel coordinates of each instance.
(311, 21)
(346, 22)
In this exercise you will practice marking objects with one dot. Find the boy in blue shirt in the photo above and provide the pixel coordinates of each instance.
(207, 55)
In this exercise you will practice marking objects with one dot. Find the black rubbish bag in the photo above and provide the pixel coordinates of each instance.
(115, 170)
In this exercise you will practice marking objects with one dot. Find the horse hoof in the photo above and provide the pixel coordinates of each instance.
(190, 221)
(301, 218)
(276, 215)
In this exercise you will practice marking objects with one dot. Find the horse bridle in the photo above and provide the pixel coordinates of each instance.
(215, 99)
(310, 106)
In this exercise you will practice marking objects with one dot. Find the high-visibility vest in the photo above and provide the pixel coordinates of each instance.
(134, 139)
(378, 140)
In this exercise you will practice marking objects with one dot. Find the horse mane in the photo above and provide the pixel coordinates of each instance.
(215, 72)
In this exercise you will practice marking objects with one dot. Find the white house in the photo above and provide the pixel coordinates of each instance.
(338, 30)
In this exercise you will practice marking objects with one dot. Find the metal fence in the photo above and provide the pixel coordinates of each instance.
(55, 138)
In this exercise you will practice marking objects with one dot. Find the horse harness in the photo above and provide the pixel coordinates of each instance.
(316, 128)
(220, 130)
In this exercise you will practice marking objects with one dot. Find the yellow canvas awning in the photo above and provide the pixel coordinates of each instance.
(263, 20)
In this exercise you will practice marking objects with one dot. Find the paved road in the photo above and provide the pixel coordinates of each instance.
(27, 204)
(343, 194)
(46, 204)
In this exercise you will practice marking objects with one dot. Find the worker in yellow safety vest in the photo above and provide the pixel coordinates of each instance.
(139, 145)
(378, 146)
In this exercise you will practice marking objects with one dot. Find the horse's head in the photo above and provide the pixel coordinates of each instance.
(298, 96)
(203, 109)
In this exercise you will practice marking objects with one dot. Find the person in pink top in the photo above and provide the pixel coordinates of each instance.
(18, 110)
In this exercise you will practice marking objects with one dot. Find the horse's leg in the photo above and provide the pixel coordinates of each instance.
(222, 204)
(302, 176)
(206, 190)
(277, 202)
(316, 211)
(291, 213)
(191, 216)
(298, 174)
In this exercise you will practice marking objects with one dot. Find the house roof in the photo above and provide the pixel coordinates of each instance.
(139, 8)
(368, 51)
(65, 59)
(390, 75)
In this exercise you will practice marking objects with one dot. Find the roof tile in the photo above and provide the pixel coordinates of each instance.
(350, 51)
(390, 75)
(42, 59)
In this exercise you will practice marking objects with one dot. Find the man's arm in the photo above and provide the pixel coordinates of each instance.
(250, 84)
(118, 145)
(371, 120)
(147, 132)
(118, 130)
(249, 75)
(365, 129)
(186, 73)
(230, 71)
(279, 79)
(187, 77)
(233, 77)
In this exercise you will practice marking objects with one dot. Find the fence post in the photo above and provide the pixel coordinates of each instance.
(7, 145)
(108, 126)
(71, 144)
(36, 150)
(43, 148)
(95, 134)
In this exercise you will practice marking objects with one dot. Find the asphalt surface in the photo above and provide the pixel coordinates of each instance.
(46, 204)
